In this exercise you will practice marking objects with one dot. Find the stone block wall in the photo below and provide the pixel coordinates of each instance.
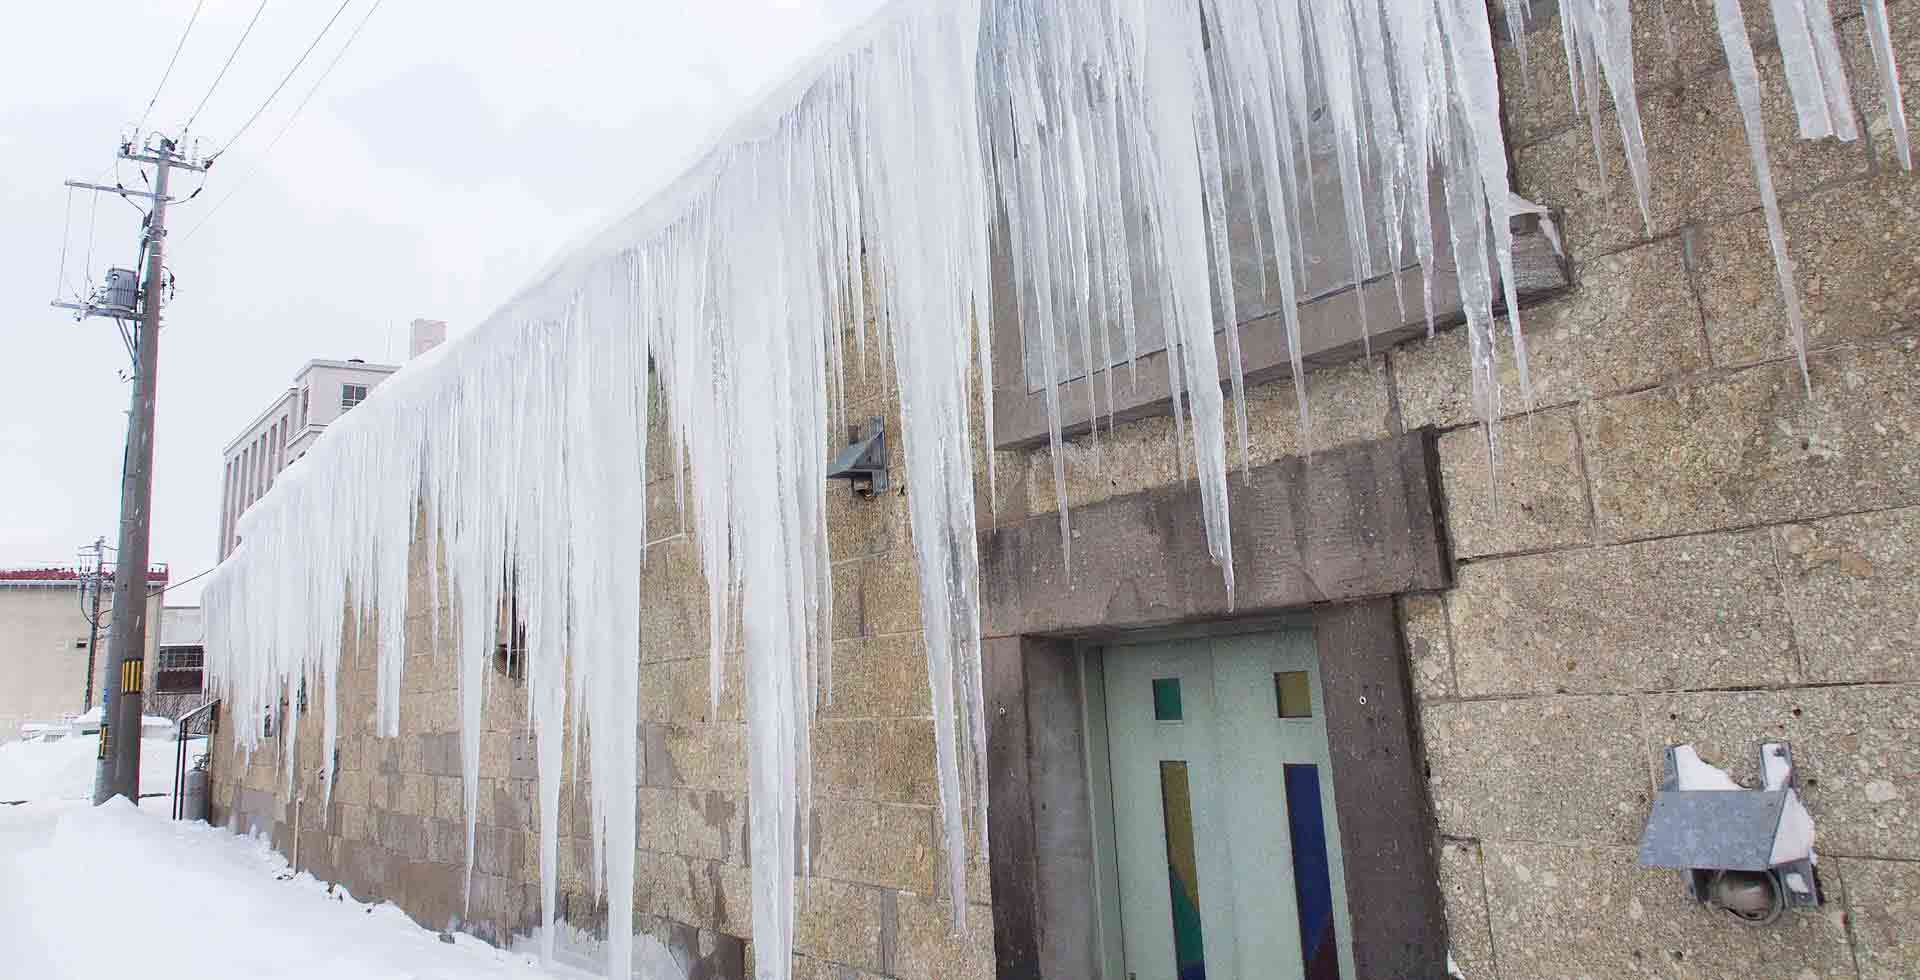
(1678, 544)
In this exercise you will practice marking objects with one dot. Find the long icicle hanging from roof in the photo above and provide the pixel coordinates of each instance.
(855, 206)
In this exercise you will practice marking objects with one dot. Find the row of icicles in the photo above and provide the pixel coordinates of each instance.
(858, 206)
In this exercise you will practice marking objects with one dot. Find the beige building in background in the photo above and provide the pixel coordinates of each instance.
(43, 643)
(321, 391)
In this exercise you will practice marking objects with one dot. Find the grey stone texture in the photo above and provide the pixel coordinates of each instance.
(1588, 910)
(1852, 586)
(1538, 769)
(1674, 613)
(1680, 542)
(1753, 447)
(1885, 899)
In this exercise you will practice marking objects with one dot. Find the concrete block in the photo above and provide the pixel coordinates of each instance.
(1630, 321)
(1589, 910)
(1563, 768)
(1853, 585)
(1903, 23)
(673, 620)
(880, 677)
(1673, 613)
(449, 797)
(700, 755)
(1856, 266)
(1423, 621)
(1697, 157)
(663, 885)
(1463, 889)
(1345, 403)
(665, 517)
(416, 794)
(928, 947)
(875, 597)
(1883, 908)
(887, 760)
(1856, 749)
(679, 691)
(838, 922)
(1534, 498)
(875, 843)
(700, 823)
(1751, 448)
(1131, 457)
(732, 889)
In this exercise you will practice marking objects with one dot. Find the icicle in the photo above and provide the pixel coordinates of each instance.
(1517, 12)
(1875, 12)
(1746, 90)
(1090, 140)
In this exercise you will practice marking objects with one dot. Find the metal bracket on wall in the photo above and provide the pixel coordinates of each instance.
(864, 463)
(1747, 851)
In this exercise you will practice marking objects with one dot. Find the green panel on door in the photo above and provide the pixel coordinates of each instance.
(1183, 871)
(1166, 699)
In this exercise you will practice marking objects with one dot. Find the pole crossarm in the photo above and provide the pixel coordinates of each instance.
(122, 191)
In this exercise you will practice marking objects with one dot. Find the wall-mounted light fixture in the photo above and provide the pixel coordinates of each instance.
(1748, 852)
(864, 463)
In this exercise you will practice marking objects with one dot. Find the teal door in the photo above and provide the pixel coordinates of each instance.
(1226, 848)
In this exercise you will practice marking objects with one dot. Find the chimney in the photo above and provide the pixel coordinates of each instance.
(426, 335)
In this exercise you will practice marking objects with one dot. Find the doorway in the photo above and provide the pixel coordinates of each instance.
(1224, 849)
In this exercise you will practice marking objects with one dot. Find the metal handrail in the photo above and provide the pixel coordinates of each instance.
(180, 736)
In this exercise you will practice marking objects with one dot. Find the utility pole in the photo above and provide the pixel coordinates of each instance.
(120, 702)
(95, 578)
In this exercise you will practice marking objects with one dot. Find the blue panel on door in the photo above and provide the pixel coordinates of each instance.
(1312, 875)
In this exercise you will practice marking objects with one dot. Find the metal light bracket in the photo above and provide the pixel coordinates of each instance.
(1718, 836)
(864, 463)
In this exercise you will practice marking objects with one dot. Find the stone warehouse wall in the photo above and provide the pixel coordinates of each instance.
(1685, 546)
(1679, 545)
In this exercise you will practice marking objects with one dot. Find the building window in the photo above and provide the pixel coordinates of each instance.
(180, 670)
(303, 408)
(351, 395)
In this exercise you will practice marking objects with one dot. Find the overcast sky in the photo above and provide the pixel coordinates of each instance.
(454, 149)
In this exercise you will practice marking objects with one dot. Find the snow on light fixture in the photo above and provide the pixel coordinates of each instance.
(1748, 852)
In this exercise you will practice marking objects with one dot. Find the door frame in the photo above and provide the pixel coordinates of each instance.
(1327, 546)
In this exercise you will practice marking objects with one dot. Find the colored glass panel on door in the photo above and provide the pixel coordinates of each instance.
(1183, 871)
(1312, 878)
(1293, 691)
(1166, 699)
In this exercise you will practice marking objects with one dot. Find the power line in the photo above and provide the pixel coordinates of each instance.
(170, 587)
(284, 79)
(93, 211)
(66, 232)
(170, 63)
(285, 126)
(257, 11)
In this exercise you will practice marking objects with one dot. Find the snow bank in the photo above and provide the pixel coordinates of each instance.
(64, 769)
(206, 903)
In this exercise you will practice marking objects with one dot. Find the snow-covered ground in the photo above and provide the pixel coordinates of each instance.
(88, 892)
